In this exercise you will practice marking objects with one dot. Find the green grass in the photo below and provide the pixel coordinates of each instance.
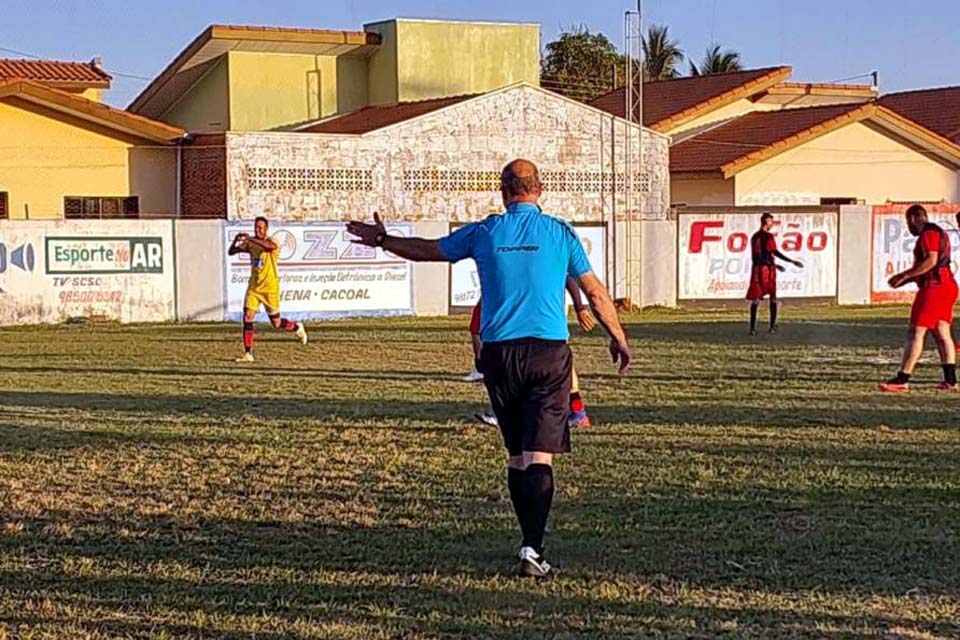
(150, 488)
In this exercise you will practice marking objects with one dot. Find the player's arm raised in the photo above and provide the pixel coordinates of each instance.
(375, 235)
(606, 313)
(239, 244)
(267, 244)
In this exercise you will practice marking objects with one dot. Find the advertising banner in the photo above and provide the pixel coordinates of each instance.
(323, 274)
(465, 284)
(715, 258)
(120, 270)
(892, 247)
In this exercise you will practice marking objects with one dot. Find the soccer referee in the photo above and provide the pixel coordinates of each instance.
(523, 258)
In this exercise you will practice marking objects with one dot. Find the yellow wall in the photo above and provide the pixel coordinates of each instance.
(738, 108)
(701, 191)
(436, 59)
(92, 94)
(382, 65)
(58, 156)
(204, 107)
(856, 161)
(280, 91)
(352, 89)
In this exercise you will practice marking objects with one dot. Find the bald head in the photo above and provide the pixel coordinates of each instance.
(520, 182)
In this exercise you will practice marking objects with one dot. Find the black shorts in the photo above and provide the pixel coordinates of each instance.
(529, 386)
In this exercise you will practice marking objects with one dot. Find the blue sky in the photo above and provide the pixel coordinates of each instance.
(911, 44)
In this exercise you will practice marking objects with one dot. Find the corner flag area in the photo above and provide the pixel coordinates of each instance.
(730, 486)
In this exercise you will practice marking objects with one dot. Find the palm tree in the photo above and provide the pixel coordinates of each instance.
(661, 55)
(716, 61)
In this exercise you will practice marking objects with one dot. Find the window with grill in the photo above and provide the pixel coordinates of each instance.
(4, 209)
(85, 207)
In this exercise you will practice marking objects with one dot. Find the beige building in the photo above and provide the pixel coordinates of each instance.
(67, 155)
(754, 138)
(248, 78)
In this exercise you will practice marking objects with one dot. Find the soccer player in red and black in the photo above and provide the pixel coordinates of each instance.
(933, 306)
(763, 272)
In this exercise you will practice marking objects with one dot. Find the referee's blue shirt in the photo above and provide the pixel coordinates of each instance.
(523, 258)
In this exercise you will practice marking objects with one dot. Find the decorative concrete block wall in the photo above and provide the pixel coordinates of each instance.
(444, 166)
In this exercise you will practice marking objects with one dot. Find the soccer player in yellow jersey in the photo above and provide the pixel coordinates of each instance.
(264, 286)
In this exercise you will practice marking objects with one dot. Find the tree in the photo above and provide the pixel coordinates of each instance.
(716, 61)
(661, 55)
(580, 64)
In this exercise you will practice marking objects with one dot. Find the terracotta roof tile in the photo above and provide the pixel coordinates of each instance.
(53, 72)
(663, 99)
(370, 118)
(935, 109)
(709, 151)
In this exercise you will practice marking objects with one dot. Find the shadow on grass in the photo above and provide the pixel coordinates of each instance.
(929, 415)
(655, 551)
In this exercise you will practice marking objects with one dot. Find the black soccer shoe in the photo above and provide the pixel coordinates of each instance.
(533, 565)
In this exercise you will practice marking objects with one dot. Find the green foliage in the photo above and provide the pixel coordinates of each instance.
(716, 60)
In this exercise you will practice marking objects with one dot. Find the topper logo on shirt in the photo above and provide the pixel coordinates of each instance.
(525, 248)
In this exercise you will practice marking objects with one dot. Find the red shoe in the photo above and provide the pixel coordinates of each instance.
(945, 386)
(894, 387)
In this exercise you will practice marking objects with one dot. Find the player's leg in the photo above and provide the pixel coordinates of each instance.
(578, 410)
(273, 312)
(948, 355)
(249, 315)
(545, 433)
(754, 311)
(774, 309)
(912, 350)
(475, 374)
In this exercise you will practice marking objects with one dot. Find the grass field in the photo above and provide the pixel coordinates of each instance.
(732, 487)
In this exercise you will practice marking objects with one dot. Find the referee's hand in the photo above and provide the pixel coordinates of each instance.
(620, 352)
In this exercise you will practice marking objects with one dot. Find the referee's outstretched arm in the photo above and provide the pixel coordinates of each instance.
(375, 235)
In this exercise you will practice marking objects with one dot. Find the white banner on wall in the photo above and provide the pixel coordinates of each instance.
(465, 283)
(324, 275)
(893, 247)
(121, 269)
(714, 254)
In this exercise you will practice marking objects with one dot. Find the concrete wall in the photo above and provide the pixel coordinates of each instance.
(278, 91)
(701, 192)
(431, 281)
(856, 161)
(57, 155)
(853, 282)
(200, 270)
(444, 166)
(436, 59)
(204, 107)
(382, 86)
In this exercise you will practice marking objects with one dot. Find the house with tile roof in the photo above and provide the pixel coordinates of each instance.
(68, 155)
(756, 138)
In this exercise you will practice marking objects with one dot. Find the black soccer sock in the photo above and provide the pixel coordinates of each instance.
(950, 373)
(754, 308)
(515, 485)
(901, 378)
(774, 307)
(538, 494)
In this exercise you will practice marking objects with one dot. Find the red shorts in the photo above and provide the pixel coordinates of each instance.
(475, 321)
(763, 282)
(933, 304)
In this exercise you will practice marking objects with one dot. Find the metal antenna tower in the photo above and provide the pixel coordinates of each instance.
(634, 198)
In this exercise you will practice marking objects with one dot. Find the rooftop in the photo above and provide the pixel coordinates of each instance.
(56, 73)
